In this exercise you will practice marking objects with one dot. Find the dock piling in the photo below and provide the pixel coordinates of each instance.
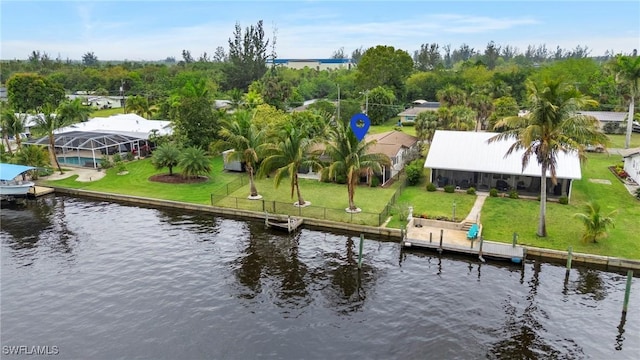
(627, 291)
(569, 255)
(480, 251)
(441, 235)
(515, 239)
(360, 251)
(430, 237)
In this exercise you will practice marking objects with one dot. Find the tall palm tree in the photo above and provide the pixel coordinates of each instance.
(351, 158)
(551, 127)
(47, 122)
(287, 156)
(595, 223)
(627, 69)
(244, 139)
(426, 124)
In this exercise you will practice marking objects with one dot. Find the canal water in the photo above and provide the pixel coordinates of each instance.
(98, 280)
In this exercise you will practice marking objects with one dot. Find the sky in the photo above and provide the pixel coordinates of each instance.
(155, 30)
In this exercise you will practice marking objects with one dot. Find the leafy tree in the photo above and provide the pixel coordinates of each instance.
(483, 106)
(195, 122)
(550, 128)
(356, 55)
(30, 91)
(491, 55)
(505, 106)
(627, 70)
(240, 134)
(247, 56)
(287, 157)
(166, 155)
(339, 54)
(595, 223)
(194, 162)
(139, 105)
(451, 96)
(384, 66)
(428, 57)
(89, 59)
(311, 123)
(350, 158)
(424, 85)
(381, 106)
(275, 90)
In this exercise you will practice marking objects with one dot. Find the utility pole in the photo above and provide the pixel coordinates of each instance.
(122, 103)
(366, 102)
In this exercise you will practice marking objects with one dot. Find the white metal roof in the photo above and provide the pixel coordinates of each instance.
(123, 124)
(606, 116)
(470, 151)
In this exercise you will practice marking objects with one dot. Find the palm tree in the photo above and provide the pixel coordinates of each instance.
(551, 127)
(12, 125)
(73, 111)
(426, 124)
(194, 162)
(351, 157)
(32, 155)
(140, 106)
(244, 139)
(166, 155)
(627, 69)
(47, 122)
(595, 223)
(286, 157)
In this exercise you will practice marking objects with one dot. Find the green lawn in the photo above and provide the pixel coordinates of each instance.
(107, 112)
(390, 125)
(502, 217)
(617, 141)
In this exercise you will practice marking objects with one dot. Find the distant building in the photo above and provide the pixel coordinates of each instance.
(317, 64)
(410, 114)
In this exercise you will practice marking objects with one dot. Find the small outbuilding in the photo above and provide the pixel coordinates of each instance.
(631, 158)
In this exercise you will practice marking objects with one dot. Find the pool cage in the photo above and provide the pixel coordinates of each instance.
(85, 149)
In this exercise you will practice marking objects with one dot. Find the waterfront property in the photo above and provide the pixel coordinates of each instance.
(123, 133)
(466, 159)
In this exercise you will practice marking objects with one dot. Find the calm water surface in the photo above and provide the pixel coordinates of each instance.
(104, 281)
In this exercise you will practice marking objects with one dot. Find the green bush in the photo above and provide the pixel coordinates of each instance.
(449, 188)
(105, 162)
(117, 158)
(129, 156)
(120, 166)
(471, 191)
(493, 192)
(513, 194)
(414, 173)
(341, 179)
(563, 200)
(375, 181)
(431, 187)
(638, 193)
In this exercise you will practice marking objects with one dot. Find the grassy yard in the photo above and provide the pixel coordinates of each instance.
(107, 112)
(502, 217)
(390, 125)
(617, 141)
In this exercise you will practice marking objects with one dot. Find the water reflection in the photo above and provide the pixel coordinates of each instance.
(524, 335)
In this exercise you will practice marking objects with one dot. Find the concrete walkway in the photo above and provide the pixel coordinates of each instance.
(84, 174)
(474, 214)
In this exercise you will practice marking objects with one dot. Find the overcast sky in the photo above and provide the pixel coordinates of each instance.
(154, 30)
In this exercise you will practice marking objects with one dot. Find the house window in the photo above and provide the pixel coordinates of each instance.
(394, 160)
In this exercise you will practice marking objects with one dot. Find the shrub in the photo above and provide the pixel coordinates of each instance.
(493, 192)
(563, 200)
(375, 181)
(431, 187)
(513, 194)
(117, 158)
(121, 167)
(471, 191)
(638, 193)
(129, 156)
(105, 162)
(341, 179)
(414, 173)
(449, 189)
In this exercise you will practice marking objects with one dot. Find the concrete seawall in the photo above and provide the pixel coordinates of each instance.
(556, 256)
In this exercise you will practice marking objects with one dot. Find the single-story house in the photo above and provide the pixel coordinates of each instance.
(317, 64)
(86, 142)
(631, 158)
(397, 145)
(605, 117)
(410, 114)
(400, 147)
(466, 159)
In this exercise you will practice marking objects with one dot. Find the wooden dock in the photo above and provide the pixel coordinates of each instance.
(445, 236)
(36, 191)
(281, 222)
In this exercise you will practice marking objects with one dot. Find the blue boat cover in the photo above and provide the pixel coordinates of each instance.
(10, 171)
